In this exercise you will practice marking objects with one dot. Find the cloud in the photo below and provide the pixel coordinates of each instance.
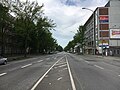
(68, 15)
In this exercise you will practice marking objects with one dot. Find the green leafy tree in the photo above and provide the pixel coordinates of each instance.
(80, 37)
(5, 25)
(31, 28)
(70, 46)
(26, 13)
(59, 48)
(45, 40)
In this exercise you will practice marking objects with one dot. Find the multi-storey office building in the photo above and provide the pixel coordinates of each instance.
(103, 30)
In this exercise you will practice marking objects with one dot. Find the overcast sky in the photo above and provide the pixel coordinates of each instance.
(68, 15)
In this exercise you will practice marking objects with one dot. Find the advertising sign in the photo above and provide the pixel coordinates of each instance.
(115, 33)
(104, 19)
(103, 43)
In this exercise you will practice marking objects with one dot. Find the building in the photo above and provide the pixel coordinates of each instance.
(103, 30)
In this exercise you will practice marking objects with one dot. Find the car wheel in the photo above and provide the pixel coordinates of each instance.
(5, 63)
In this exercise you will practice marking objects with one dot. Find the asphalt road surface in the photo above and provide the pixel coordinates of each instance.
(62, 71)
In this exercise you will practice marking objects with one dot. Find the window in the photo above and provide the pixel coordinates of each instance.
(103, 11)
(104, 33)
(104, 26)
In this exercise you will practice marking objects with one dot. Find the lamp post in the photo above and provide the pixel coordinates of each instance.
(93, 29)
(94, 14)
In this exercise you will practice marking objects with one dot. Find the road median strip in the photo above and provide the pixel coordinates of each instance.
(41, 78)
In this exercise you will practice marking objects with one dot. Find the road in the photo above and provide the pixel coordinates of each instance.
(62, 71)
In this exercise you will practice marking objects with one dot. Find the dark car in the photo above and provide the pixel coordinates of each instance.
(3, 60)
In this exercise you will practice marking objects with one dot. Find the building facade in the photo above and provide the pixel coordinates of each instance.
(103, 30)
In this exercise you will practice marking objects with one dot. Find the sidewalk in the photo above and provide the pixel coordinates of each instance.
(107, 57)
(20, 57)
(12, 58)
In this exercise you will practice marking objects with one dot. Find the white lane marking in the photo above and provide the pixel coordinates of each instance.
(46, 76)
(87, 62)
(63, 69)
(26, 65)
(47, 58)
(71, 77)
(59, 78)
(63, 65)
(40, 61)
(41, 78)
(98, 67)
(55, 67)
(50, 83)
(2, 74)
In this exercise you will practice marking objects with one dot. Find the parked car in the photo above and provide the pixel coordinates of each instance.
(3, 60)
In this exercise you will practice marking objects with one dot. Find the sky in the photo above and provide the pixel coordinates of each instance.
(68, 15)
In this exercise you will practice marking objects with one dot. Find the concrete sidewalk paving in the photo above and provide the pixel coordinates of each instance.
(107, 57)
(20, 57)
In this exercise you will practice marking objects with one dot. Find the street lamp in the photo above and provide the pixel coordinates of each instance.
(93, 30)
(88, 9)
(94, 14)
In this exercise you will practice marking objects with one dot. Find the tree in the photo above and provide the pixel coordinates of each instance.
(5, 25)
(70, 46)
(79, 38)
(59, 48)
(26, 14)
(45, 40)
(30, 27)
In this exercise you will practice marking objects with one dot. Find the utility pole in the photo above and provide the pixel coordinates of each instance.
(94, 31)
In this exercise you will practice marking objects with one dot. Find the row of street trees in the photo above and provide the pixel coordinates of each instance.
(26, 21)
(78, 40)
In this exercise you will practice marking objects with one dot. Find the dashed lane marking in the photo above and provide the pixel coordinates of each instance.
(2, 74)
(59, 78)
(40, 61)
(63, 69)
(60, 63)
(26, 65)
(48, 59)
(98, 67)
(87, 62)
(63, 65)
(50, 83)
